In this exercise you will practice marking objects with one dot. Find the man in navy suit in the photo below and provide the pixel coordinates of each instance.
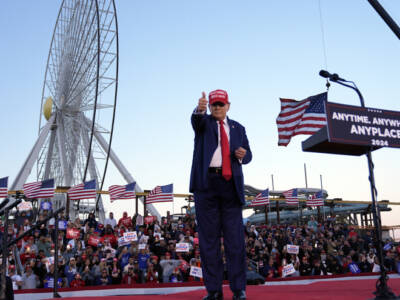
(220, 149)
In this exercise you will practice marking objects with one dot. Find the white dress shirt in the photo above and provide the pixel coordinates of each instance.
(216, 160)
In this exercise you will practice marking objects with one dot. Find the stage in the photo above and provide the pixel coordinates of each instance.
(354, 288)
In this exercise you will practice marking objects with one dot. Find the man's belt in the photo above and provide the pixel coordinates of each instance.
(215, 170)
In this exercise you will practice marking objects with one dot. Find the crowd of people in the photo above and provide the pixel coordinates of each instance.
(92, 253)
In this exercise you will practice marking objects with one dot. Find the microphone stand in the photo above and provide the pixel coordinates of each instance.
(4, 256)
(382, 289)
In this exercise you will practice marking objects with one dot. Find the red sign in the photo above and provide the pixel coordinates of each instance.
(150, 219)
(73, 233)
(94, 240)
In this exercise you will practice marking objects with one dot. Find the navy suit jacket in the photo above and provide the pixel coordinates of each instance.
(206, 141)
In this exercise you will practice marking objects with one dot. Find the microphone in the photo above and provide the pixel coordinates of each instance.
(333, 77)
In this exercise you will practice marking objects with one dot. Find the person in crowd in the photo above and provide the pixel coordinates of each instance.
(16, 279)
(104, 278)
(151, 274)
(29, 279)
(70, 270)
(86, 273)
(116, 275)
(125, 221)
(131, 277)
(110, 220)
(168, 265)
(77, 282)
(91, 221)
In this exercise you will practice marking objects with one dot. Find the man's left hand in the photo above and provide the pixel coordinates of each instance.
(240, 153)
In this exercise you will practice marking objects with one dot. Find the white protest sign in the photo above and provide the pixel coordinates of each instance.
(50, 259)
(139, 220)
(122, 242)
(287, 270)
(292, 249)
(143, 239)
(25, 206)
(142, 246)
(196, 272)
(182, 247)
(130, 236)
(155, 234)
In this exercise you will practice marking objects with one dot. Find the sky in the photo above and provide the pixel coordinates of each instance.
(258, 51)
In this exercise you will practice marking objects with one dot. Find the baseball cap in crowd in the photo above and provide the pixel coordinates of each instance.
(218, 96)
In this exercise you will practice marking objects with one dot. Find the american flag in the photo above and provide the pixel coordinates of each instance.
(122, 191)
(315, 199)
(300, 117)
(291, 197)
(86, 190)
(40, 189)
(4, 187)
(162, 193)
(261, 199)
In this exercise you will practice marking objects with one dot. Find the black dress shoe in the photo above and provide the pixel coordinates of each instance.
(239, 295)
(214, 296)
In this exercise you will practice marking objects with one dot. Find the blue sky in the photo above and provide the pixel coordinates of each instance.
(171, 51)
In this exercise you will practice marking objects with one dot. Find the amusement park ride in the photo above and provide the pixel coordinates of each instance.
(78, 104)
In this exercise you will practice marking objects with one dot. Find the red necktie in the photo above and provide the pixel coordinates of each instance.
(226, 156)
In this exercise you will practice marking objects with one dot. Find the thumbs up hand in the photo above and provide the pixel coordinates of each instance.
(202, 106)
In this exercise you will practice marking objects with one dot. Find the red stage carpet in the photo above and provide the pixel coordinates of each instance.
(339, 288)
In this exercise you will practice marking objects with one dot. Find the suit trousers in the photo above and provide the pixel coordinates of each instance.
(219, 214)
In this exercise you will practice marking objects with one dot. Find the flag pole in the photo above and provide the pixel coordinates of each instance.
(305, 174)
(273, 188)
(323, 202)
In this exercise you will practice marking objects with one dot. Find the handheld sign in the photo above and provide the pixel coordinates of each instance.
(143, 239)
(288, 270)
(73, 233)
(292, 249)
(62, 225)
(142, 246)
(130, 236)
(46, 206)
(196, 272)
(149, 219)
(25, 206)
(94, 240)
(182, 247)
(139, 220)
(157, 234)
(122, 242)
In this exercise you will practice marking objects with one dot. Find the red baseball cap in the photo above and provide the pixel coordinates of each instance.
(218, 96)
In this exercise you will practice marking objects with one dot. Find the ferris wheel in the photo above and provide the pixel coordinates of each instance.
(78, 102)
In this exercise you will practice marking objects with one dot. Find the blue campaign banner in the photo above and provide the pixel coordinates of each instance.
(354, 268)
(364, 126)
(46, 206)
(387, 247)
(62, 225)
